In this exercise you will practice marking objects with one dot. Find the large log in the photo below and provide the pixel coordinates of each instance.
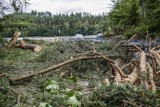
(44, 71)
(143, 70)
(142, 62)
(118, 76)
(151, 75)
(13, 39)
(34, 47)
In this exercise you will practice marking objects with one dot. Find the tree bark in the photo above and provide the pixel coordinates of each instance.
(143, 70)
(34, 47)
(132, 78)
(13, 39)
(151, 75)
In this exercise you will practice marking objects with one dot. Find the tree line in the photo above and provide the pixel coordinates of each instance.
(47, 24)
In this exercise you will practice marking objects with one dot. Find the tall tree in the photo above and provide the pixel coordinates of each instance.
(3, 8)
(143, 8)
(19, 5)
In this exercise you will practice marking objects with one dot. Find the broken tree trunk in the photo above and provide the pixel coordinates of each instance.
(13, 39)
(118, 76)
(151, 75)
(132, 78)
(143, 70)
(34, 47)
(32, 74)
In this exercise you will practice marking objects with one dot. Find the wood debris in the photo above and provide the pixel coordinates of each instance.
(23, 44)
(143, 69)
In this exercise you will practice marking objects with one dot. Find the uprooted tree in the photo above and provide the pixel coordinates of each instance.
(142, 68)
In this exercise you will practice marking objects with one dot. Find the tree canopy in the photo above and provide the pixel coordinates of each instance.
(135, 16)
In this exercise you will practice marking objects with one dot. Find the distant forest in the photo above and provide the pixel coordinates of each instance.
(46, 24)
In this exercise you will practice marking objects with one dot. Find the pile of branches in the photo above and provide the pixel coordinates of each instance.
(143, 67)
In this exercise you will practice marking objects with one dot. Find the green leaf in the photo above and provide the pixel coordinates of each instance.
(73, 101)
(52, 86)
(74, 79)
(70, 93)
(44, 104)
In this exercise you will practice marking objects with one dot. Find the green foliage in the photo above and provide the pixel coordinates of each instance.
(44, 104)
(46, 24)
(122, 96)
(130, 16)
(74, 79)
(52, 86)
(140, 30)
(8, 98)
(69, 96)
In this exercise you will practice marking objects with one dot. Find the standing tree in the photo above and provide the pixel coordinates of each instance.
(19, 5)
(3, 8)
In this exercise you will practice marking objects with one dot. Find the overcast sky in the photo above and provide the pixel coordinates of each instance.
(68, 6)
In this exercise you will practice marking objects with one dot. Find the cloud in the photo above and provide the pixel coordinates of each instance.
(68, 6)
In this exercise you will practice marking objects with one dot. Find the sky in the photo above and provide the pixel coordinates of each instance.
(69, 6)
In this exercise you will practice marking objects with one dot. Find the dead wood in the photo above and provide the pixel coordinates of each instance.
(44, 71)
(154, 65)
(106, 81)
(143, 70)
(156, 56)
(142, 62)
(34, 47)
(113, 63)
(126, 65)
(133, 37)
(132, 45)
(13, 39)
(151, 75)
(132, 78)
(118, 76)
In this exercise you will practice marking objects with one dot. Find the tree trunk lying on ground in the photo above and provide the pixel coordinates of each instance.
(44, 71)
(23, 44)
(34, 47)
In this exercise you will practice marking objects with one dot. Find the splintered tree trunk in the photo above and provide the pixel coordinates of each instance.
(143, 70)
(118, 76)
(151, 75)
(132, 78)
(13, 39)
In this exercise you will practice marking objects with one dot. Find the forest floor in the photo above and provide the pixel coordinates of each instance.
(76, 84)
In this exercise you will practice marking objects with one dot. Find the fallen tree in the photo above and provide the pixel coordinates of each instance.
(142, 69)
(23, 44)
